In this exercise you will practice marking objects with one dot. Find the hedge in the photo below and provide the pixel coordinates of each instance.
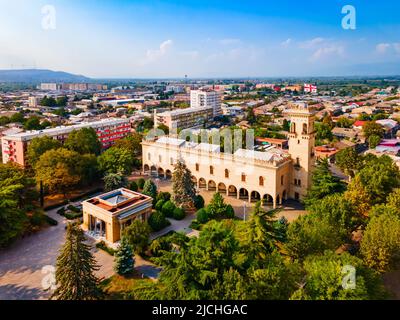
(102, 245)
(179, 214)
(157, 221)
(168, 209)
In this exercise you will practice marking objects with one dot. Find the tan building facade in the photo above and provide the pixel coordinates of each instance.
(272, 176)
(107, 215)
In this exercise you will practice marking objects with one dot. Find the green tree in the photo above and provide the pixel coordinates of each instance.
(325, 279)
(380, 245)
(380, 177)
(132, 143)
(17, 196)
(372, 129)
(116, 160)
(124, 261)
(394, 198)
(61, 101)
(324, 183)
(133, 186)
(83, 141)
(338, 212)
(324, 131)
(348, 161)
(344, 122)
(150, 189)
(17, 118)
(33, 123)
(311, 235)
(138, 234)
(183, 188)
(57, 170)
(38, 146)
(217, 207)
(374, 140)
(75, 269)
(157, 221)
(261, 235)
(113, 181)
(168, 209)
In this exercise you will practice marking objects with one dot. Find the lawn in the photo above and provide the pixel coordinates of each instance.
(118, 287)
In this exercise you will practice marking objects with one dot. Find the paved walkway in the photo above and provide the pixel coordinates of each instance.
(21, 264)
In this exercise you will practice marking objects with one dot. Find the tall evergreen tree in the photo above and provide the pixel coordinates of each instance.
(183, 189)
(124, 261)
(323, 183)
(261, 232)
(150, 189)
(75, 268)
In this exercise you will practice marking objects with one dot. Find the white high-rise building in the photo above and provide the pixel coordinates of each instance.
(206, 98)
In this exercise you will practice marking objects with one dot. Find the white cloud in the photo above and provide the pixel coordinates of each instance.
(329, 50)
(286, 43)
(309, 44)
(153, 55)
(383, 47)
(229, 41)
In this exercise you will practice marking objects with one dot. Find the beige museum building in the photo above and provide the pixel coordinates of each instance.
(273, 176)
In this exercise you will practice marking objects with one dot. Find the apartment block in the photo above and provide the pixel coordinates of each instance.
(206, 98)
(14, 147)
(185, 118)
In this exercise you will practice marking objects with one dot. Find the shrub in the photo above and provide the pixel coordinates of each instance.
(102, 245)
(202, 216)
(73, 215)
(199, 202)
(157, 221)
(230, 213)
(56, 205)
(179, 214)
(133, 186)
(159, 245)
(73, 209)
(165, 196)
(141, 183)
(195, 225)
(159, 205)
(61, 211)
(168, 209)
(36, 219)
(51, 221)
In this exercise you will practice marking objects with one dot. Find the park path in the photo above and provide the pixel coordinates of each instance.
(21, 264)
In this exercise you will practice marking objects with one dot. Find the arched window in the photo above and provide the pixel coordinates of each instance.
(305, 128)
(226, 173)
(243, 177)
(197, 167)
(293, 128)
(261, 181)
(211, 170)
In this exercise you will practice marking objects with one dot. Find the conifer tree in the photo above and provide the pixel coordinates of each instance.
(75, 268)
(150, 189)
(124, 261)
(183, 189)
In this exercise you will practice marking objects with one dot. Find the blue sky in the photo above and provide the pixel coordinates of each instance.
(202, 38)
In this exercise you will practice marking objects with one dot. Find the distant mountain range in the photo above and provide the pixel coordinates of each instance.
(39, 75)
